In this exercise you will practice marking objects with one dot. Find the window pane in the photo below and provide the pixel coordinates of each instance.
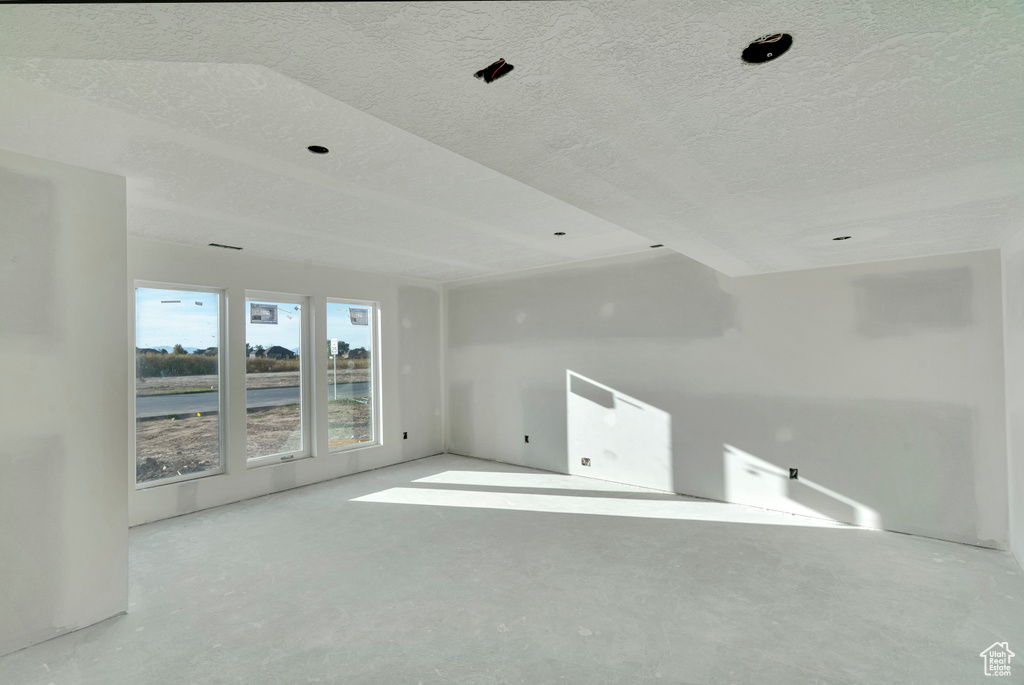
(273, 378)
(349, 374)
(177, 388)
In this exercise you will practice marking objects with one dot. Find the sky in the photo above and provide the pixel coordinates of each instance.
(339, 325)
(159, 320)
(169, 317)
(286, 333)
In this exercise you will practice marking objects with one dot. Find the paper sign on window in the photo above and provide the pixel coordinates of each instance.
(262, 313)
(359, 317)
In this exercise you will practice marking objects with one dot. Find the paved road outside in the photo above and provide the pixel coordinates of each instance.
(197, 403)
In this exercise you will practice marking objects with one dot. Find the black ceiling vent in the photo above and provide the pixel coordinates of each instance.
(767, 48)
(843, 237)
(496, 70)
(318, 149)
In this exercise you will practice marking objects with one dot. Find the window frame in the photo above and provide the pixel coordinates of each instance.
(306, 398)
(376, 439)
(222, 381)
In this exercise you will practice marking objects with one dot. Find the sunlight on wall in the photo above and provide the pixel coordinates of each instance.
(496, 490)
(624, 439)
(754, 481)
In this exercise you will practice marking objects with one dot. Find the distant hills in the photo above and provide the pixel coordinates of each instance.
(169, 348)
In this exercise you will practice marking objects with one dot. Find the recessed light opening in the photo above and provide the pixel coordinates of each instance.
(226, 247)
(767, 47)
(318, 149)
(494, 71)
(560, 233)
(843, 237)
(658, 245)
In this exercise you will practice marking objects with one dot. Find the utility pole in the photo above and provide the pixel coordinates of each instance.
(334, 355)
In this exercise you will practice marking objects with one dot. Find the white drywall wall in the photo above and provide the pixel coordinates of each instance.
(410, 332)
(881, 383)
(1013, 327)
(64, 419)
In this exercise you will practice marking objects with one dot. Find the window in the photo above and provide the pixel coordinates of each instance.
(350, 374)
(178, 377)
(276, 392)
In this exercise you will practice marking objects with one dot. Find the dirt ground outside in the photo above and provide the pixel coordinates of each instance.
(168, 447)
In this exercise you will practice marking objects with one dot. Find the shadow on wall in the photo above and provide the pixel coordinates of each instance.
(904, 465)
(419, 312)
(533, 310)
(905, 304)
(419, 352)
(33, 522)
(759, 483)
(31, 236)
(613, 436)
(541, 404)
(461, 403)
(911, 462)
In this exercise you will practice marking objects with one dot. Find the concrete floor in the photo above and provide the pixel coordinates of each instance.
(528, 577)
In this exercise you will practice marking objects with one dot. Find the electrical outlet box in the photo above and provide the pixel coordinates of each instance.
(793, 474)
(527, 438)
(585, 461)
(405, 435)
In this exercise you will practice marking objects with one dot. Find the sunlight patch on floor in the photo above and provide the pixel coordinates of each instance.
(528, 480)
(507, 499)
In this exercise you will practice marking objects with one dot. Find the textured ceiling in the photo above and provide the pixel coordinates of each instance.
(217, 153)
(623, 124)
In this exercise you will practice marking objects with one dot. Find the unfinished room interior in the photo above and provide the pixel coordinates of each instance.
(516, 342)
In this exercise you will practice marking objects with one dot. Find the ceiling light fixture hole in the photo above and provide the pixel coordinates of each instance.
(843, 237)
(767, 47)
(494, 71)
(560, 233)
(318, 149)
